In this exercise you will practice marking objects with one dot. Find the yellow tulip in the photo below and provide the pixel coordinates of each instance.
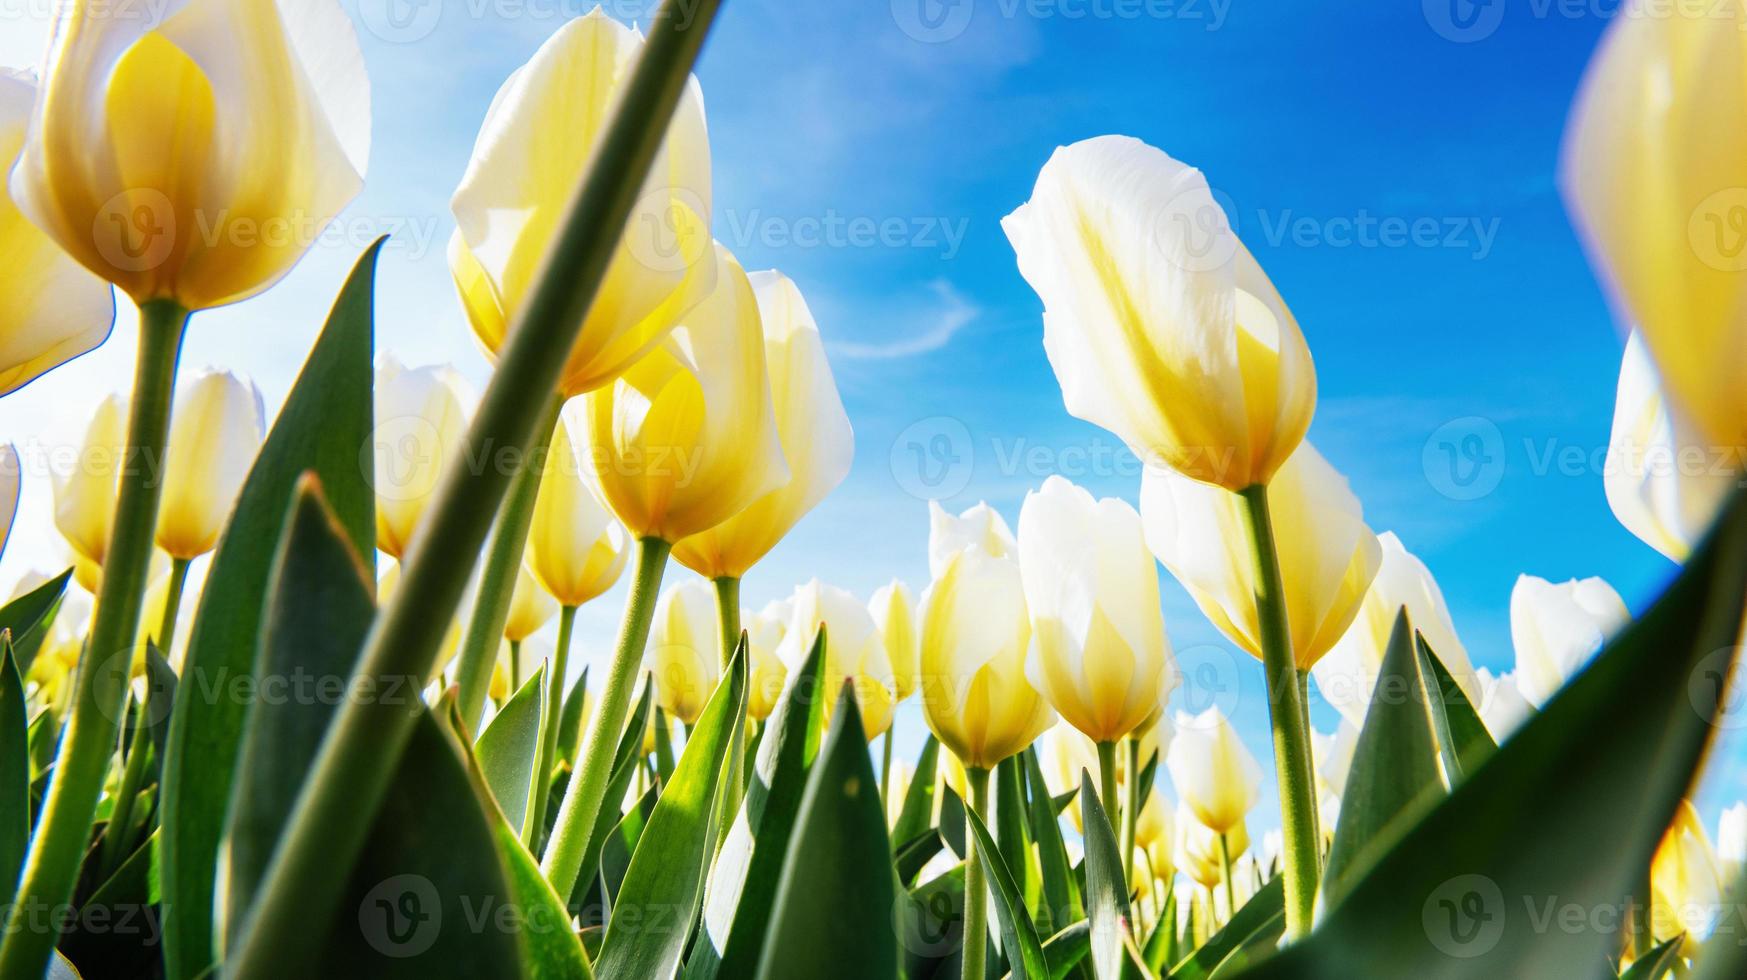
(817, 442)
(686, 438)
(219, 427)
(1558, 628)
(55, 309)
(685, 649)
(1158, 322)
(893, 608)
(85, 495)
(853, 651)
(421, 421)
(530, 607)
(1213, 771)
(1661, 482)
(198, 157)
(11, 479)
(980, 527)
(1154, 824)
(500, 681)
(1652, 171)
(1098, 649)
(540, 132)
(1197, 850)
(766, 671)
(975, 631)
(1328, 556)
(1686, 887)
(575, 548)
(1347, 674)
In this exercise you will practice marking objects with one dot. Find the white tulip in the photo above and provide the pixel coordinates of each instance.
(1213, 771)
(1556, 629)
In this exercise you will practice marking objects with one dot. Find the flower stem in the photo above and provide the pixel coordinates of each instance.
(100, 692)
(588, 785)
(546, 753)
(1131, 811)
(1107, 778)
(497, 581)
(976, 891)
(728, 613)
(1643, 937)
(1225, 871)
(886, 768)
(1287, 719)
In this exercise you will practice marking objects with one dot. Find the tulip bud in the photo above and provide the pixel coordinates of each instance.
(685, 649)
(1347, 674)
(198, 157)
(85, 497)
(894, 611)
(1154, 824)
(1686, 888)
(55, 310)
(421, 421)
(980, 527)
(1661, 482)
(766, 671)
(1213, 771)
(1651, 169)
(853, 650)
(575, 548)
(1158, 322)
(1557, 629)
(1327, 555)
(817, 442)
(1198, 847)
(541, 132)
(975, 631)
(686, 437)
(1098, 649)
(530, 608)
(219, 427)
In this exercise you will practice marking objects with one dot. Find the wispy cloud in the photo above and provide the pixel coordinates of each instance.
(946, 312)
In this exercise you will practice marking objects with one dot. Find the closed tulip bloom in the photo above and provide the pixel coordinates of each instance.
(975, 631)
(1197, 851)
(85, 494)
(1155, 819)
(1501, 704)
(421, 421)
(980, 527)
(766, 671)
(197, 157)
(1159, 324)
(1557, 629)
(1651, 170)
(1098, 649)
(530, 607)
(817, 442)
(219, 426)
(1661, 481)
(539, 134)
(1213, 771)
(1686, 885)
(55, 309)
(853, 650)
(686, 438)
(1347, 674)
(575, 548)
(685, 649)
(893, 607)
(1328, 556)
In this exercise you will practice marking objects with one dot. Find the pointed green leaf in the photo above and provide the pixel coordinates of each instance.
(1261, 919)
(621, 843)
(14, 770)
(837, 892)
(914, 856)
(326, 418)
(1655, 964)
(506, 748)
(1060, 895)
(1018, 938)
(1106, 884)
(1011, 835)
(570, 723)
(29, 617)
(1463, 740)
(951, 823)
(918, 809)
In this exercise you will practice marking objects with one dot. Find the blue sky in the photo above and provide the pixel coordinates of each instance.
(869, 150)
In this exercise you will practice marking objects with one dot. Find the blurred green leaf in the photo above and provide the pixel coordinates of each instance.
(1655, 964)
(1549, 818)
(743, 884)
(14, 771)
(29, 617)
(1259, 922)
(1018, 938)
(324, 424)
(1106, 884)
(918, 809)
(506, 748)
(1060, 894)
(666, 877)
(838, 895)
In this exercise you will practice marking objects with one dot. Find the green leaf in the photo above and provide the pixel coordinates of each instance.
(1549, 819)
(837, 894)
(1017, 934)
(318, 608)
(14, 770)
(1106, 886)
(666, 876)
(161, 686)
(931, 926)
(951, 823)
(29, 617)
(1061, 895)
(124, 921)
(918, 809)
(627, 759)
(326, 418)
(621, 843)
(739, 898)
(1395, 776)
(663, 746)
(1463, 740)
(1655, 964)
(570, 723)
(1158, 950)
(915, 855)
(1262, 919)
(1067, 948)
(1010, 831)
(506, 748)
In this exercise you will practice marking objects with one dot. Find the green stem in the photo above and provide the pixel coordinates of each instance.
(361, 752)
(1131, 811)
(1310, 750)
(497, 580)
(1286, 718)
(976, 891)
(1107, 779)
(1643, 938)
(546, 754)
(728, 615)
(515, 666)
(1225, 872)
(886, 768)
(116, 833)
(588, 785)
(100, 692)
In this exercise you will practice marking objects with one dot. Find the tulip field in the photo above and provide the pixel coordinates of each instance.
(285, 708)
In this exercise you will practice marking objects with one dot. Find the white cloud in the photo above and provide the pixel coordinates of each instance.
(946, 313)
